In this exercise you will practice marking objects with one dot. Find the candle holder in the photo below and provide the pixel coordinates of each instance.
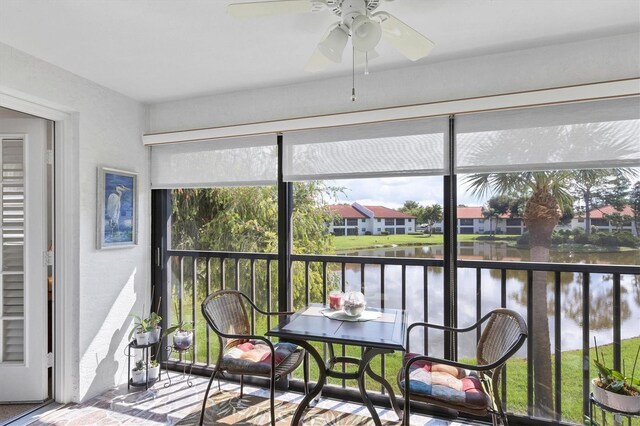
(336, 300)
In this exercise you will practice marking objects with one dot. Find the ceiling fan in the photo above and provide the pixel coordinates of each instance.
(357, 20)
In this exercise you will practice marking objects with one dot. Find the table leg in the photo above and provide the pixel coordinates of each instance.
(367, 356)
(304, 404)
(387, 386)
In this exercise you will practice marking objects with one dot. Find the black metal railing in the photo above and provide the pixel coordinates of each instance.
(313, 276)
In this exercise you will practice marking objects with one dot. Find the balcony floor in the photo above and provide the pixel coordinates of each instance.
(167, 406)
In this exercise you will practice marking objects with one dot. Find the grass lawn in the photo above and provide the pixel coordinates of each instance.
(355, 242)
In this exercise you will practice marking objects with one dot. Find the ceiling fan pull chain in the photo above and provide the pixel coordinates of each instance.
(366, 63)
(353, 74)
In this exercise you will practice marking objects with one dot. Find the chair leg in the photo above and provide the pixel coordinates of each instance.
(305, 371)
(241, 385)
(406, 415)
(206, 394)
(272, 397)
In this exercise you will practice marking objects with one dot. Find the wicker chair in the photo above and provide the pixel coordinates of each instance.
(228, 313)
(446, 383)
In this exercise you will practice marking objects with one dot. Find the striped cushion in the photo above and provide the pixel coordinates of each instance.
(255, 356)
(446, 383)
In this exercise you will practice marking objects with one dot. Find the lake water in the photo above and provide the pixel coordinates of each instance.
(601, 288)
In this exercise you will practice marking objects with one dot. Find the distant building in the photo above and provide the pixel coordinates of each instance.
(599, 222)
(356, 219)
(471, 221)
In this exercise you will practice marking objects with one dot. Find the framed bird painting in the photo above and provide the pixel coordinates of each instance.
(117, 208)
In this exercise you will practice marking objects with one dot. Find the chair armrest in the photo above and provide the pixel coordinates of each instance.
(474, 326)
(253, 306)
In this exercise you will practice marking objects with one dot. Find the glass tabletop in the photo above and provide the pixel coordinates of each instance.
(385, 332)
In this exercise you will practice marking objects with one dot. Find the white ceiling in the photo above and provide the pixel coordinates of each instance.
(155, 50)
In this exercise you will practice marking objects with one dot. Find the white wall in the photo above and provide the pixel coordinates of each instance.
(107, 285)
(582, 62)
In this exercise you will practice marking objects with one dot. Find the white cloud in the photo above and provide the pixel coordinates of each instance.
(393, 192)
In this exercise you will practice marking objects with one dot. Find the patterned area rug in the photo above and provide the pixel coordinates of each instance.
(225, 408)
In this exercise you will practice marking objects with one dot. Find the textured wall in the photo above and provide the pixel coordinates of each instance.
(581, 62)
(110, 284)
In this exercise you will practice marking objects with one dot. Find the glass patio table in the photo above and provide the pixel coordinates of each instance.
(382, 335)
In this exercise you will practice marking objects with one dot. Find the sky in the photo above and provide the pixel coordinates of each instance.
(393, 192)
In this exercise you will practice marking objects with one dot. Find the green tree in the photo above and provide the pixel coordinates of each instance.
(245, 219)
(634, 201)
(431, 215)
(496, 207)
(599, 187)
(618, 220)
(225, 219)
(413, 208)
(546, 195)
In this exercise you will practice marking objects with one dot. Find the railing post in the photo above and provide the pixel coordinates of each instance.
(450, 248)
(586, 305)
(285, 243)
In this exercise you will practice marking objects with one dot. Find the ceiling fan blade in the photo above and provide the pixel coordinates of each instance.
(405, 39)
(268, 8)
(317, 62)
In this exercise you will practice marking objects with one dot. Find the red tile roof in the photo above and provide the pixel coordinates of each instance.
(349, 212)
(385, 212)
(599, 213)
(474, 213)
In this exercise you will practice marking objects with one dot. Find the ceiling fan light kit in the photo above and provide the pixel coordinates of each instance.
(365, 33)
(333, 46)
(357, 21)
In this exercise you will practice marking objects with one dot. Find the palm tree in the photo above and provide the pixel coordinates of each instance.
(546, 197)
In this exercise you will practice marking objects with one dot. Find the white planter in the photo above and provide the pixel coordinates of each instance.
(625, 403)
(154, 372)
(142, 338)
(154, 335)
(139, 376)
(182, 339)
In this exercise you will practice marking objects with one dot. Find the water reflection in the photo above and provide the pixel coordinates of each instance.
(601, 292)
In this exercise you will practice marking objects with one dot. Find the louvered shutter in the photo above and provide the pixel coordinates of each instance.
(12, 240)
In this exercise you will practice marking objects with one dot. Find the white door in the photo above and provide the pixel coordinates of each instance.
(23, 283)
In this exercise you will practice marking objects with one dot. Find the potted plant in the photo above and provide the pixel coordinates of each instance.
(141, 330)
(154, 327)
(615, 389)
(139, 373)
(154, 370)
(182, 335)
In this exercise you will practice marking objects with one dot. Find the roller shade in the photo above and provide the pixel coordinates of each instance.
(586, 135)
(399, 148)
(242, 161)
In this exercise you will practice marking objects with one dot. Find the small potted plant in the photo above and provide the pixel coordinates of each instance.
(615, 389)
(154, 370)
(141, 330)
(182, 335)
(139, 373)
(155, 329)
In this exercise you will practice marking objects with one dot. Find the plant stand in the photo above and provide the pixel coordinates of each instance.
(172, 349)
(617, 415)
(145, 354)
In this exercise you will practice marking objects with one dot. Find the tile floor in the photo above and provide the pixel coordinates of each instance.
(162, 405)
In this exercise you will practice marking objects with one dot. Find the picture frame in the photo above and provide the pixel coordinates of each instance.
(117, 208)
